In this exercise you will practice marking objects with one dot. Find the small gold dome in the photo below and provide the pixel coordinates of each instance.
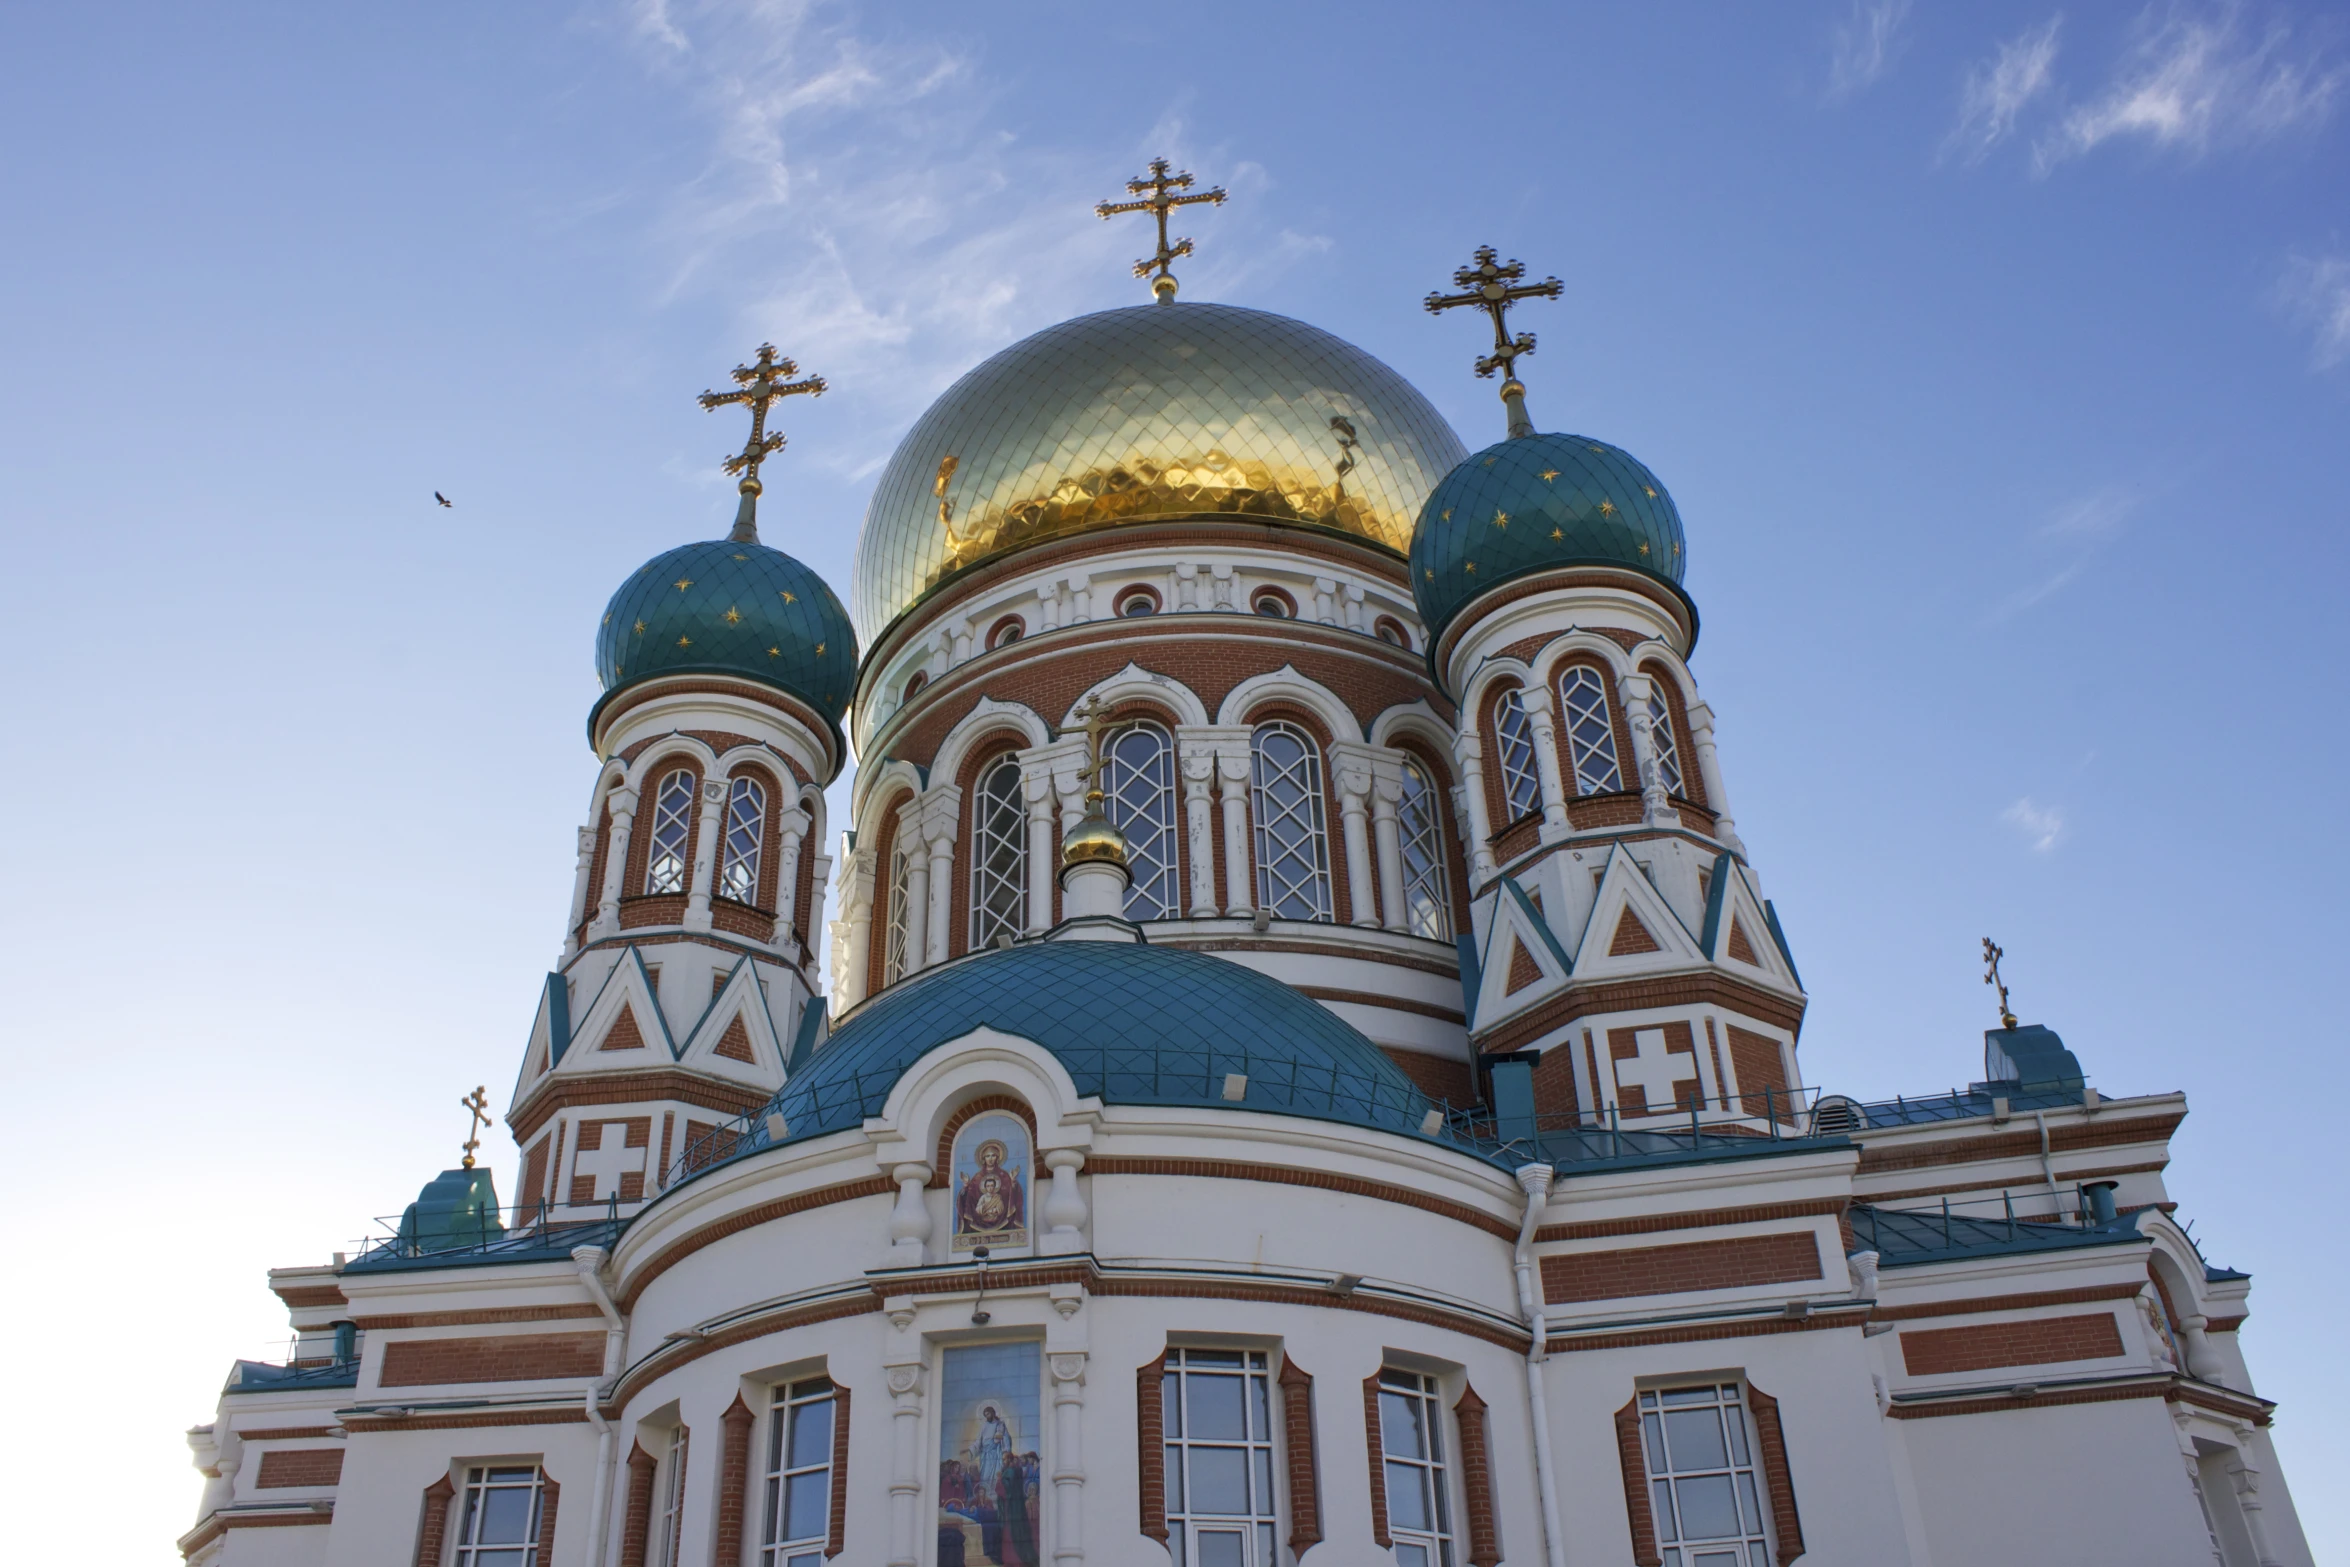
(1091, 840)
(1163, 410)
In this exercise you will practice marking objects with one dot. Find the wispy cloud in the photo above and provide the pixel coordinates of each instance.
(2194, 78)
(2315, 292)
(2042, 826)
(1998, 90)
(1865, 44)
(2067, 542)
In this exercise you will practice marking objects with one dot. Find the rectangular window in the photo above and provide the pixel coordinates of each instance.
(1701, 1475)
(1411, 1442)
(500, 1527)
(799, 1476)
(1217, 1414)
(671, 1527)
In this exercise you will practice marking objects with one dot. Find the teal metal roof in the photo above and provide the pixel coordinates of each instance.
(1535, 502)
(1905, 1236)
(731, 608)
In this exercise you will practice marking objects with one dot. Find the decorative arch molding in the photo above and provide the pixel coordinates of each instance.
(957, 1072)
(987, 719)
(1491, 672)
(668, 750)
(1577, 645)
(1287, 685)
(1655, 654)
(883, 788)
(1413, 721)
(754, 754)
(1135, 683)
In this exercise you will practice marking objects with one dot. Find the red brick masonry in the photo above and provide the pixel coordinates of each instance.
(519, 1357)
(1693, 1265)
(2042, 1341)
(300, 1466)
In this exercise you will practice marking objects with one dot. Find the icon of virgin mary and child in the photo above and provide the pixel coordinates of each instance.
(991, 1206)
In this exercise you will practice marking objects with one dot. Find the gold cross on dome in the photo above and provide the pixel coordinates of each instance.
(1992, 953)
(759, 386)
(1492, 285)
(1157, 191)
(477, 1105)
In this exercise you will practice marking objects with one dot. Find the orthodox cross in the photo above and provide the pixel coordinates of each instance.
(476, 1105)
(760, 386)
(1492, 286)
(1091, 716)
(1160, 201)
(1991, 956)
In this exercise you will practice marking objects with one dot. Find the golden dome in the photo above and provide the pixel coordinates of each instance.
(1163, 410)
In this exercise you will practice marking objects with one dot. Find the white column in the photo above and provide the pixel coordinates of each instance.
(1068, 1458)
(1186, 586)
(705, 866)
(1350, 765)
(1326, 600)
(1709, 769)
(917, 854)
(1199, 832)
(1354, 607)
(1064, 1207)
(852, 933)
(794, 824)
(935, 946)
(579, 892)
(1468, 753)
(1080, 597)
(1540, 709)
(909, 1217)
(1656, 805)
(623, 805)
(2246, 1476)
(1036, 790)
(1232, 777)
(1387, 835)
(905, 1467)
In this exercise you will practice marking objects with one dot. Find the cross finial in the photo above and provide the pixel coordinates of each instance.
(1160, 200)
(1492, 285)
(759, 385)
(477, 1105)
(1092, 715)
(1992, 953)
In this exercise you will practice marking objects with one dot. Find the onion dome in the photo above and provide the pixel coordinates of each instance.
(1132, 1023)
(1533, 503)
(1158, 411)
(730, 607)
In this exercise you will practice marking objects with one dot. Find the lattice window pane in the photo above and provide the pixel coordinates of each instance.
(500, 1526)
(1412, 1453)
(1427, 887)
(999, 856)
(746, 825)
(671, 1531)
(1591, 736)
(1138, 776)
(673, 813)
(1293, 849)
(1521, 782)
(1660, 739)
(797, 1483)
(1707, 1497)
(901, 865)
(1222, 1507)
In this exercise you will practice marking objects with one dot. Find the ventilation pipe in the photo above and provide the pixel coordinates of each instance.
(2098, 1195)
(346, 1342)
(1535, 1180)
(589, 1261)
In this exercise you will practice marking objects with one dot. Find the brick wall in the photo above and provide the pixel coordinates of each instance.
(519, 1357)
(290, 1466)
(2040, 1342)
(1787, 1257)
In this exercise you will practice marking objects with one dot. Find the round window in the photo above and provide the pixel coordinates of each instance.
(1392, 633)
(1272, 604)
(1141, 603)
(1007, 631)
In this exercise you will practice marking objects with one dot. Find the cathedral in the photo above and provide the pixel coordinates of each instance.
(1301, 1069)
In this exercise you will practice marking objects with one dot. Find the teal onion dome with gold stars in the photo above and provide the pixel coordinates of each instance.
(1535, 502)
(730, 607)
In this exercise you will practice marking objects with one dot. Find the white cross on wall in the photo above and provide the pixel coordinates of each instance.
(1655, 1070)
(608, 1161)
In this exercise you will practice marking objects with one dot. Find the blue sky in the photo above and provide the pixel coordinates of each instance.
(1998, 357)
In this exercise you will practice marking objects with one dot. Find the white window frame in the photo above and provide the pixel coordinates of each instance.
(1521, 777)
(1590, 729)
(1257, 1528)
(1660, 738)
(777, 1471)
(1138, 785)
(1415, 1400)
(1427, 877)
(669, 1528)
(1740, 1473)
(1292, 837)
(745, 836)
(894, 930)
(480, 1482)
(999, 854)
(669, 845)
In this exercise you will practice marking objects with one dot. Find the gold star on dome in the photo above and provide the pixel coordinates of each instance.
(775, 652)
(787, 597)
(1651, 492)
(819, 650)
(1470, 568)
(742, 557)
(1557, 533)
(1599, 449)
(1431, 573)
(1501, 519)
(1549, 474)
(685, 641)
(1607, 508)
(684, 583)
(640, 628)
(1643, 549)
(607, 617)
(1676, 549)
(734, 617)
(1445, 515)
(1488, 462)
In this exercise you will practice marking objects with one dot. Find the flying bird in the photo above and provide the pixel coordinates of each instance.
(443, 499)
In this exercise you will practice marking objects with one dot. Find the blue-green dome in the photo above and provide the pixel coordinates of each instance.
(730, 608)
(1133, 1024)
(1532, 503)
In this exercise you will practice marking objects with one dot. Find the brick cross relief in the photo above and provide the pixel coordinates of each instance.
(1655, 1070)
(608, 1161)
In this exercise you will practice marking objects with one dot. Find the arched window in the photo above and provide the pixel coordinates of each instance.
(1138, 776)
(1521, 783)
(1660, 737)
(746, 827)
(1427, 906)
(999, 855)
(901, 911)
(673, 813)
(1591, 735)
(1293, 852)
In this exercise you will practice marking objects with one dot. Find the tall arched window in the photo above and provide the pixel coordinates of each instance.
(1138, 776)
(1293, 849)
(1521, 781)
(746, 827)
(673, 813)
(1660, 736)
(893, 952)
(999, 855)
(1591, 735)
(1427, 904)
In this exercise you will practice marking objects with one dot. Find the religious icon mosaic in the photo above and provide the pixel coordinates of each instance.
(992, 1163)
(989, 1466)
